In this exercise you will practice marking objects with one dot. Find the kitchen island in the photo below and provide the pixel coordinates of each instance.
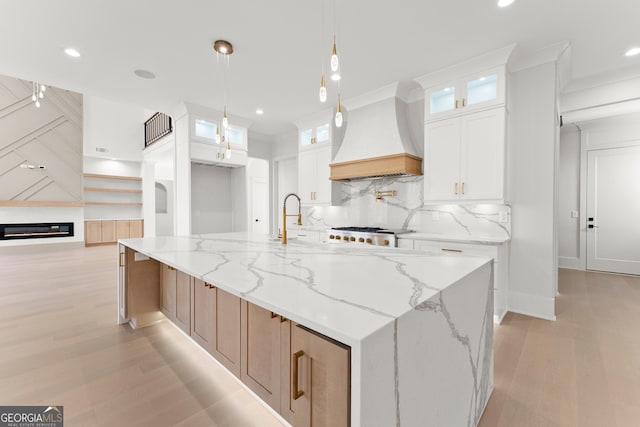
(417, 327)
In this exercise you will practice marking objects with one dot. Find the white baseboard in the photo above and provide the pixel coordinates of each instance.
(572, 263)
(532, 305)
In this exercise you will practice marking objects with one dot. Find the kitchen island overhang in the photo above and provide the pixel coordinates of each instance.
(419, 325)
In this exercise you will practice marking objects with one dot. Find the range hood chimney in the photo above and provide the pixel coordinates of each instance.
(377, 141)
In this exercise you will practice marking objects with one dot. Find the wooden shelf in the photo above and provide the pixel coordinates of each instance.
(111, 190)
(112, 204)
(100, 176)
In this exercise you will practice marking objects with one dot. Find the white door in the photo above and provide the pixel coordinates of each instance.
(482, 159)
(258, 171)
(259, 205)
(613, 210)
(442, 160)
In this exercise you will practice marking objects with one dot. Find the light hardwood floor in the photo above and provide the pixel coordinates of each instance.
(581, 370)
(60, 345)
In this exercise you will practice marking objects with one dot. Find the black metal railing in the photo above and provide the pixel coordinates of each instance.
(158, 126)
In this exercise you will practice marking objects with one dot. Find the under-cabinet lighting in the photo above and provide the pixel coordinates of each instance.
(504, 3)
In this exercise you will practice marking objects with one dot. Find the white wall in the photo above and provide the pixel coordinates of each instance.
(569, 198)
(259, 146)
(532, 158)
(285, 145)
(115, 126)
(211, 210)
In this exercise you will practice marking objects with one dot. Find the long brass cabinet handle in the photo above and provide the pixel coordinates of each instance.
(463, 188)
(451, 250)
(455, 188)
(295, 392)
(463, 102)
(121, 259)
(456, 103)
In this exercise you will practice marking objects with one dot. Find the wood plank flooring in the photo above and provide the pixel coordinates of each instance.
(60, 346)
(581, 370)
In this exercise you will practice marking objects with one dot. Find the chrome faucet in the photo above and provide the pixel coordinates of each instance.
(284, 216)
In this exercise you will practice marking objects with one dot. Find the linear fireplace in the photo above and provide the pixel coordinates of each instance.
(36, 230)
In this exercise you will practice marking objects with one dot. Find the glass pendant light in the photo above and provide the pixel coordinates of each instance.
(43, 88)
(339, 114)
(34, 97)
(227, 153)
(335, 63)
(225, 120)
(38, 104)
(323, 90)
(217, 134)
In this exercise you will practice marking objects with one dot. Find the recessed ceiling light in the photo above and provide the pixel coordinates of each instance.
(72, 52)
(144, 74)
(504, 3)
(259, 111)
(633, 51)
(335, 77)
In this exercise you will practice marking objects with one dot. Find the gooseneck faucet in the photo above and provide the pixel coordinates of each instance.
(284, 216)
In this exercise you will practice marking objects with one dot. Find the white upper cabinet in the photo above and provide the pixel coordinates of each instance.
(207, 148)
(472, 92)
(464, 157)
(315, 135)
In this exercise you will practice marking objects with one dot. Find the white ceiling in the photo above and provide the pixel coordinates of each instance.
(278, 46)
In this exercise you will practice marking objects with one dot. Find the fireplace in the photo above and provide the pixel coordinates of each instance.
(36, 230)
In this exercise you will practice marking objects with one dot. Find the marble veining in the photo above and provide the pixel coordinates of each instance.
(358, 206)
(323, 286)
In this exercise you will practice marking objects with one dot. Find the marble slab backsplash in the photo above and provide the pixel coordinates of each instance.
(405, 210)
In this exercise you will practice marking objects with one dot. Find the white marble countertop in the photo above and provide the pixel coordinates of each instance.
(344, 292)
(469, 238)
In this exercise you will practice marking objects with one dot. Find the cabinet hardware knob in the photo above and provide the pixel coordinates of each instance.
(295, 392)
(273, 315)
(283, 319)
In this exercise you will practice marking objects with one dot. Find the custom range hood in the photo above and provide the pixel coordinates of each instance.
(377, 140)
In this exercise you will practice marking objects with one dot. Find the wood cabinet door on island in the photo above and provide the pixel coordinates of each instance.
(168, 277)
(226, 347)
(183, 302)
(320, 380)
(203, 309)
(260, 356)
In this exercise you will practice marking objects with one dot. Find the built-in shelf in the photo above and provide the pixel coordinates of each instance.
(111, 190)
(101, 176)
(113, 204)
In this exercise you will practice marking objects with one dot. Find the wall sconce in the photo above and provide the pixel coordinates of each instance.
(388, 193)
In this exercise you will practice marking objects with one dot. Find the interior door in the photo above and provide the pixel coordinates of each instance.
(259, 220)
(613, 209)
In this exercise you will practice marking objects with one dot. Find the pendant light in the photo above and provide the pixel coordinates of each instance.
(339, 114)
(323, 90)
(225, 120)
(37, 93)
(217, 134)
(227, 154)
(335, 63)
(224, 48)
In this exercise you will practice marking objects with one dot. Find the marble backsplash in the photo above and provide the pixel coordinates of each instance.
(405, 210)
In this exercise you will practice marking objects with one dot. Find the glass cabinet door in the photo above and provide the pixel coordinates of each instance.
(306, 137)
(442, 100)
(482, 89)
(205, 129)
(322, 133)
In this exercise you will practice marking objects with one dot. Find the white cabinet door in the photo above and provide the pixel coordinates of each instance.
(306, 175)
(323, 171)
(482, 149)
(442, 160)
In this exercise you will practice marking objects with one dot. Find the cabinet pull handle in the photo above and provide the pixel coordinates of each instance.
(295, 392)
(121, 259)
(463, 102)
(463, 188)
(283, 319)
(451, 250)
(455, 188)
(456, 103)
(273, 315)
